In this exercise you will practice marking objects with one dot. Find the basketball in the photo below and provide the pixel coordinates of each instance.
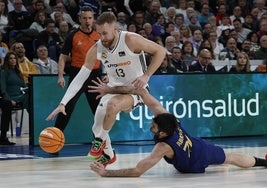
(51, 140)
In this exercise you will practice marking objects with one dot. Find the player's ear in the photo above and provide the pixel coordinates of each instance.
(162, 134)
(116, 28)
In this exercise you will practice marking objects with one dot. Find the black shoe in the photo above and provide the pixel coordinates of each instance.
(5, 141)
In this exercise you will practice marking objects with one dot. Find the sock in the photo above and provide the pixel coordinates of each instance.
(108, 149)
(102, 134)
(260, 162)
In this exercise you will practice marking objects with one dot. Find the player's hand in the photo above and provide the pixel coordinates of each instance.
(140, 82)
(105, 79)
(59, 109)
(98, 168)
(100, 87)
(61, 82)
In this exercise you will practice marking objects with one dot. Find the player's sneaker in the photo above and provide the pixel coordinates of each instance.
(97, 148)
(105, 159)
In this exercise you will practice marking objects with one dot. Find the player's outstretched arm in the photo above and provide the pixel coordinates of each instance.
(142, 166)
(152, 103)
(59, 109)
(76, 83)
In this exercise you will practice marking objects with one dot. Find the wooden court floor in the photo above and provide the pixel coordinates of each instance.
(26, 167)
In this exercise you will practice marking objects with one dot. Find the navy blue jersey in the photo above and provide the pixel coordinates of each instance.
(192, 155)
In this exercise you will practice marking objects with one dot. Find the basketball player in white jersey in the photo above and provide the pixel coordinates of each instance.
(122, 54)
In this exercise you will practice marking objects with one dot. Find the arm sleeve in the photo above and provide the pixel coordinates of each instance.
(76, 84)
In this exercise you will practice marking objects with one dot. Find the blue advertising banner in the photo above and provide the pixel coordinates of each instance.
(207, 105)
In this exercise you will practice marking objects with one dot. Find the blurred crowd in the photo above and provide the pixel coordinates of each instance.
(184, 27)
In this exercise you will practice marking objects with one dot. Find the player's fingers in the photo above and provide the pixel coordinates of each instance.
(50, 117)
(100, 81)
(98, 97)
(95, 82)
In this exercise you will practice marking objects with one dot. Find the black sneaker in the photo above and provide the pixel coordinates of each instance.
(5, 141)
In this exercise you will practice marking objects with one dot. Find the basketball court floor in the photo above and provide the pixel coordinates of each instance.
(23, 166)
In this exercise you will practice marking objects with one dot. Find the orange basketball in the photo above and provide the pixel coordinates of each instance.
(51, 139)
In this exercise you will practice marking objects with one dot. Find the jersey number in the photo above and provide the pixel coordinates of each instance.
(188, 146)
(120, 73)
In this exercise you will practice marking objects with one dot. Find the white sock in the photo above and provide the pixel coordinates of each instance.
(103, 134)
(108, 149)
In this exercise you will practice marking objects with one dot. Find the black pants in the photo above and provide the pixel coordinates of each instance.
(62, 120)
(6, 107)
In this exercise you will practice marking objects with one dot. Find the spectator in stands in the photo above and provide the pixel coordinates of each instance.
(181, 8)
(179, 20)
(203, 63)
(6, 106)
(131, 28)
(248, 24)
(142, 32)
(245, 7)
(237, 14)
(19, 19)
(25, 65)
(212, 22)
(4, 19)
(242, 64)
(59, 18)
(12, 81)
(262, 52)
(186, 34)
(63, 31)
(108, 5)
(169, 44)
(188, 53)
(138, 19)
(245, 47)
(225, 24)
(224, 36)
(197, 39)
(216, 45)
(262, 27)
(170, 14)
(94, 4)
(36, 6)
(39, 21)
(221, 13)
(256, 22)
(44, 64)
(191, 4)
(121, 21)
(177, 36)
(168, 27)
(241, 32)
(158, 28)
(206, 30)
(189, 12)
(148, 30)
(177, 60)
(50, 39)
(255, 41)
(61, 8)
(230, 51)
(166, 67)
(233, 34)
(193, 24)
(153, 11)
(203, 16)
(260, 5)
(206, 44)
(3, 49)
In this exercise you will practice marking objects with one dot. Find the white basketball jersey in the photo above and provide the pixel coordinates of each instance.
(121, 64)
